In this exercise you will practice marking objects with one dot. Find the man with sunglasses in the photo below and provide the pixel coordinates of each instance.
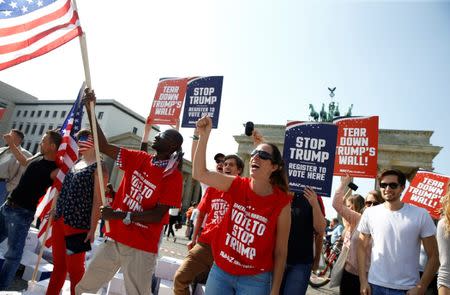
(151, 184)
(396, 230)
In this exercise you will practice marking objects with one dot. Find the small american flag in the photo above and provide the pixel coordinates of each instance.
(31, 28)
(66, 157)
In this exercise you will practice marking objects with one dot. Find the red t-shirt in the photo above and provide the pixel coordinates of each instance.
(215, 204)
(245, 240)
(141, 189)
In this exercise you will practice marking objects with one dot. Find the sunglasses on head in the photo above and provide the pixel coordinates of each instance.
(371, 203)
(263, 155)
(392, 185)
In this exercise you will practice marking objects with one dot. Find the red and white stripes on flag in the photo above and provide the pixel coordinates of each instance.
(29, 29)
(66, 157)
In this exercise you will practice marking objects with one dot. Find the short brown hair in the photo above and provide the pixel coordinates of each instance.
(400, 176)
(55, 137)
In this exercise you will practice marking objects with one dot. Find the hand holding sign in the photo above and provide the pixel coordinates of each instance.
(204, 126)
(311, 196)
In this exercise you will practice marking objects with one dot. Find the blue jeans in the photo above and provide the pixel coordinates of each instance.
(379, 290)
(3, 192)
(296, 279)
(220, 282)
(14, 225)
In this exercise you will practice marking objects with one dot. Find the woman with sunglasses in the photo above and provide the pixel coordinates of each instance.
(351, 209)
(77, 212)
(443, 240)
(250, 248)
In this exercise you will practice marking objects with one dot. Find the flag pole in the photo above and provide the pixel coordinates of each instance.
(87, 74)
(49, 222)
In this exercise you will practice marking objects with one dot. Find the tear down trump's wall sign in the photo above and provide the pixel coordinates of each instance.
(309, 150)
(426, 191)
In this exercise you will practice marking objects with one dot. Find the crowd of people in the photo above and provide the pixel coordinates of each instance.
(248, 235)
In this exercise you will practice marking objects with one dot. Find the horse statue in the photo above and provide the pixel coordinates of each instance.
(323, 114)
(349, 112)
(313, 114)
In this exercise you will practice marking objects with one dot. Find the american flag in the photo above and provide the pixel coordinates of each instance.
(66, 157)
(31, 28)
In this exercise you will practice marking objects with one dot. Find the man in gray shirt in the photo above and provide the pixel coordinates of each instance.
(10, 168)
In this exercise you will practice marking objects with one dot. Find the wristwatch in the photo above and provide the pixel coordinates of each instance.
(127, 219)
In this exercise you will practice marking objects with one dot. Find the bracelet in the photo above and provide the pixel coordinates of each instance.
(195, 137)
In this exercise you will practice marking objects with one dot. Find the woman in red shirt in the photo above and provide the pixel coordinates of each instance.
(250, 248)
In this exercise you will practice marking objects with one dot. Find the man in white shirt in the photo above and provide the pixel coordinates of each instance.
(10, 168)
(396, 230)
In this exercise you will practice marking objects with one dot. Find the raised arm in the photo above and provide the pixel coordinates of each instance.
(15, 150)
(199, 171)
(145, 136)
(348, 214)
(106, 148)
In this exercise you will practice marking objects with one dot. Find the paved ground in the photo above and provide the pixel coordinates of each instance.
(178, 250)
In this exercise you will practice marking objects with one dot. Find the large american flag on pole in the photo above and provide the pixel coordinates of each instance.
(31, 28)
(66, 157)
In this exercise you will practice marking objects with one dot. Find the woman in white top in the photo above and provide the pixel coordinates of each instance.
(443, 239)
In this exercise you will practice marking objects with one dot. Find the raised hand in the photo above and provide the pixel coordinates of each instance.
(204, 125)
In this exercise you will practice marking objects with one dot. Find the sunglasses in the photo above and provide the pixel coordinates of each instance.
(392, 185)
(371, 203)
(219, 161)
(263, 155)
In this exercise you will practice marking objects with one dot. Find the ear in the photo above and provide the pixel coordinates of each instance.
(275, 167)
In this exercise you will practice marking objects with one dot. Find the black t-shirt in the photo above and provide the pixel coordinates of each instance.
(33, 184)
(301, 236)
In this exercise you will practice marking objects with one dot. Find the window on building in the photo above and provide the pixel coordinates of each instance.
(14, 125)
(33, 130)
(59, 127)
(32, 114)
(39, 114)
(50, 127)
(35, 148)
(27, 128)
(41, 130)
(63, 114)
(100, 115)
(20, 126)
(55, 113)
(28, 145)
(134, 130)
(25, 113)
(18, 113)
(47, 113)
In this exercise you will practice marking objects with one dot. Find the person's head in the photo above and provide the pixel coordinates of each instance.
(355, 202)
(50, 143)
(334, 222)
(267, 164)
(167, 142)
(85, 141)
(219, 158)
(233, 165)
(373, 198)
(392, 183)
(17, 136)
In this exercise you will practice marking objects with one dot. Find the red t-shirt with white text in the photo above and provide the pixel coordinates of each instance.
(141, 189)
(245, 240)
(215, 204)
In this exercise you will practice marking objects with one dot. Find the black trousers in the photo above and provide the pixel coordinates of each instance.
(349, 284)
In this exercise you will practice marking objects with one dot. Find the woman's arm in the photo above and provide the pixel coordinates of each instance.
(199, 172)
(280, 253)
(96, 203)
(348, 214)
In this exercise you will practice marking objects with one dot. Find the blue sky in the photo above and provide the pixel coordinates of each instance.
(390, 59)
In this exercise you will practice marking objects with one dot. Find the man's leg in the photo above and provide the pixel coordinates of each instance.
(18, 223)
(198, 260)
(296, 278)
(138, 267)
(101, 269)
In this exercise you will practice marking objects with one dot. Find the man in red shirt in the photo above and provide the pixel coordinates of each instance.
(150, 186)
(213, 205)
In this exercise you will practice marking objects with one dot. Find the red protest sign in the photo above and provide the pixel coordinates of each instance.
(169, 97)
(357, 146)
(426, 191)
